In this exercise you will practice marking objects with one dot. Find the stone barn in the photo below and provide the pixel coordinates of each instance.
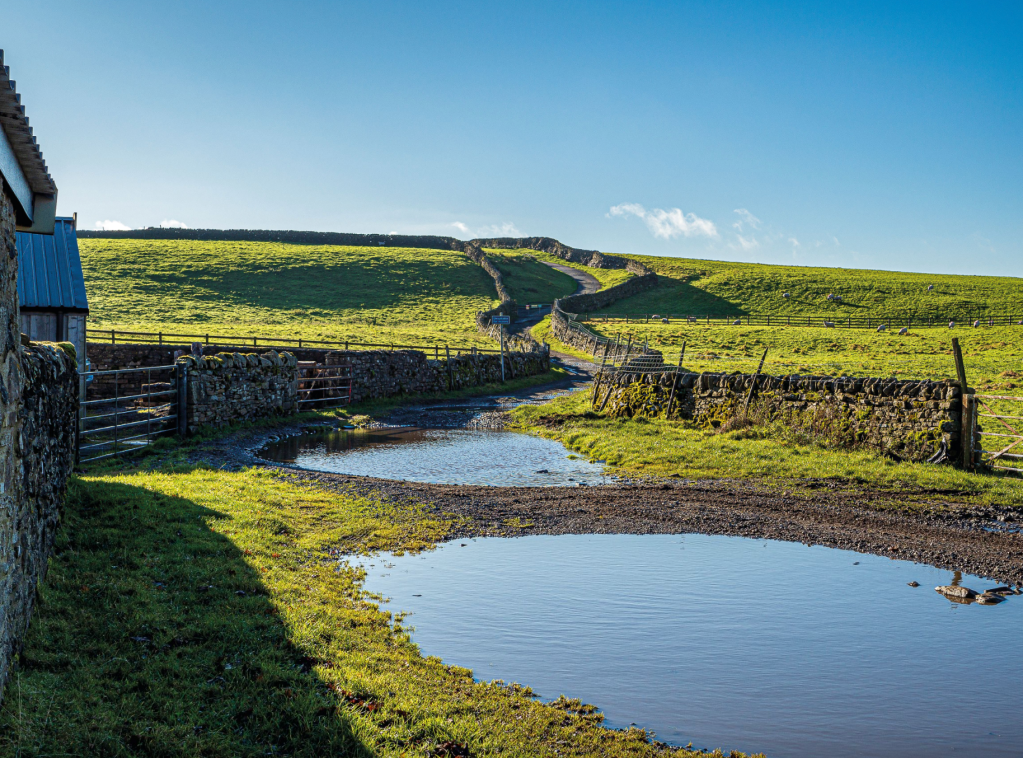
(51, 287)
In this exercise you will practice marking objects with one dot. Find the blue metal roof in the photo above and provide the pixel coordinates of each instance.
(50, 269)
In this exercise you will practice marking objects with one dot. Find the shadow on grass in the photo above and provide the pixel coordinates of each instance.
(154, 636)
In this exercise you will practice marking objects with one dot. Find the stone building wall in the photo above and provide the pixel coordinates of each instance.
(911, 419)
(37, 463)
(230, 387)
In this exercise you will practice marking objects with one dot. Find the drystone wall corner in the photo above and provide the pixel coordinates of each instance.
(229, 387)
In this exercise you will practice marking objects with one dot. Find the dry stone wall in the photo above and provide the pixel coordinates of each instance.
(36, 468)
(230, 387)
(379, 374)
(912, 420)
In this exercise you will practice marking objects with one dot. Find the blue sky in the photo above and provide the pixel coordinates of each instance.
(883, 135)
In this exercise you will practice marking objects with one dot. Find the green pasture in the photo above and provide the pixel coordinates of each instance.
(528, 281)
(368, 294)
(695, 287)
(993, 356)
(606, 276)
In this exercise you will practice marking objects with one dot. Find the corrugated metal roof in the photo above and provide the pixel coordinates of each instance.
(50, 269)
(15, 125)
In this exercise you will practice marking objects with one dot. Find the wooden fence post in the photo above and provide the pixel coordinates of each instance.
(447, 356)
(753, 384)
(674, 381)
(600, 375)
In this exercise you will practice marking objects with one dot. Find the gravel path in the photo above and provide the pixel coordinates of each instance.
(588, 283)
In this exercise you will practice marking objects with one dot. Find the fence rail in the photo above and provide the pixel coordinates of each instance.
(834, 320)
(322, 386)
(219, 340)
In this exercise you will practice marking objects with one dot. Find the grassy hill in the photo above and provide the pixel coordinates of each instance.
(529, 281)
(369, 294)
(711, 287)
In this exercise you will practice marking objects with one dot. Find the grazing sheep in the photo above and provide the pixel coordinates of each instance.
(664, 321)
(829, 324)
(882, 328)
(838, 298)
(830, 296)
(930, 288)
(951, 324)
(692, 319)
(1021, 322)
(786, 295)
(737, 322)
(904, 330)
(976, 324)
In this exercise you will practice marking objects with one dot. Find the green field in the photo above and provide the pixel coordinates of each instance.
(528, 281)
(402, 295)
(716, 288)
(608, 277)
(993, 356)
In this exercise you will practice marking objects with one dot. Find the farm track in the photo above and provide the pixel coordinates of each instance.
(951, 536)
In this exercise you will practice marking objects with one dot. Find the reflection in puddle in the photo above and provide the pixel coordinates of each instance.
(725, 641)
(440, 456)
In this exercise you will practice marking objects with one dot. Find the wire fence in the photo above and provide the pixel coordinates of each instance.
(834, 320)
(118, 336)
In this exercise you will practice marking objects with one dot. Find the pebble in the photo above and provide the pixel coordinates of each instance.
(914, 584)
(986, 599)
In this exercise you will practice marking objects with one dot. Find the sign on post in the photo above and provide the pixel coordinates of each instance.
(501, 320)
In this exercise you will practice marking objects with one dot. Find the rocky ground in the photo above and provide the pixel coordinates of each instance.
(984, 541)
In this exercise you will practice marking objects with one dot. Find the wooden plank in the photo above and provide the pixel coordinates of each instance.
(957, 352)
(753, 384)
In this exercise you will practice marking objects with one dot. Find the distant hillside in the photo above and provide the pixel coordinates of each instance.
(369, 293)
(710, 287)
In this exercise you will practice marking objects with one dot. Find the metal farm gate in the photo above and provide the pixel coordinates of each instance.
(322, 386)
(1005, 429)
(141, 405)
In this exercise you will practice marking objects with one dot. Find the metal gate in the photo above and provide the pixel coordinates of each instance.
(1005, 429)
(142, 405)
(322, 386)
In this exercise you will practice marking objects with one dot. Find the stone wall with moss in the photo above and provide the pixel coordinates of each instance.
(230, 387)
(39, 455)
(912, 420)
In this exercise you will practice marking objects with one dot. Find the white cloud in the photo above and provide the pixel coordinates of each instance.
(794, 241)
(112, 226)
(507, 229)
(169, 223)
(746, 218)
(668, 223)
(747, 243)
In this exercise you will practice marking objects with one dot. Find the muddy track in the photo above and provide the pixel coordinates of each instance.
(974, 541)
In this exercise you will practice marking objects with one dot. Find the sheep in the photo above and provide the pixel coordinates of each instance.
(976, 324)
(951, 324)
(838, 298)
(882, 327)
(904, 330)
(829, 324)
(1021, 322)
(930, 288)
(786, 295)
(664, 321)
(737, 322)
(692, 319)
(830, 296)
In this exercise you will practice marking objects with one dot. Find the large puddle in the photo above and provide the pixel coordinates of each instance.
(440, 456)
(727, 642)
